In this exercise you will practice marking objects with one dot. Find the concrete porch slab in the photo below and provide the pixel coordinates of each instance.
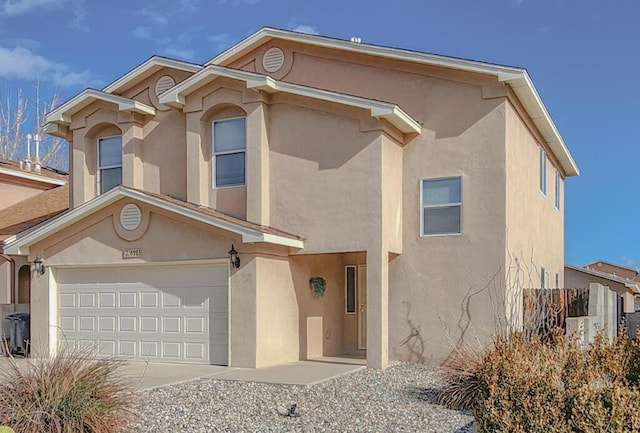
(295, 373)
(147, 375)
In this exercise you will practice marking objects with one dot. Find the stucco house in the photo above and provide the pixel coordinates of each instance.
(414, 185)
(27, 198)
(623, 279)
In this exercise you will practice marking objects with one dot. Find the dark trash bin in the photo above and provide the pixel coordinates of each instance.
(18, 333)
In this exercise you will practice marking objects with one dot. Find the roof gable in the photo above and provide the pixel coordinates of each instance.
(176, 96)
(147, 69)
(517, 78)
(19, 244)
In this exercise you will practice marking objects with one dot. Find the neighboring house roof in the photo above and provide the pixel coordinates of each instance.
(517, 78)
(395, 115)
(145, 70)
(20, 243)
(46, 175)
(630, 284)
(626, 268)
(33, 211)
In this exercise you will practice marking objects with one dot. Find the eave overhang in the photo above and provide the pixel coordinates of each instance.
(146, 69)
(517, 78)
(176, 96)
(64, 113)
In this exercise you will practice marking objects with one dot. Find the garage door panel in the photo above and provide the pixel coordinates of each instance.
(147, 313)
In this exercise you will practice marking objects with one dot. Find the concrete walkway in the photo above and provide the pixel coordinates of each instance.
(147, 375)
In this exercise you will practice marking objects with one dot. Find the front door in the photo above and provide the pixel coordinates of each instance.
(362, 307)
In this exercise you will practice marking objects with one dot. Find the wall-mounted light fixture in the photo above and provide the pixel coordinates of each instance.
(233, 257)
(39, 264)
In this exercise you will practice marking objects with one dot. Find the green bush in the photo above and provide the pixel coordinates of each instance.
(73, 392)
(525, 384)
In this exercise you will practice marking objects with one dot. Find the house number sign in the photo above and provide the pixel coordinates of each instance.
(132, 253)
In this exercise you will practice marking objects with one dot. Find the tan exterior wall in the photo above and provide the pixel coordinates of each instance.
(535, 228)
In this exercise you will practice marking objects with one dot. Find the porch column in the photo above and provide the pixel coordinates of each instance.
(197, 162)
(378, 308)
(43, 302)
(258, 166)
(132, 137)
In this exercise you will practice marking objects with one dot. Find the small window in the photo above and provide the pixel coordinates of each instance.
(543, 171)
(350, 289)
(109, 163)
(229, 148)
(558, 179)
(557, 280)
(543, 278)
(442, 206)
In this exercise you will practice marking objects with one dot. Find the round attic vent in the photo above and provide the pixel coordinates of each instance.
(273, 59)
(130, 216)
(163, 84)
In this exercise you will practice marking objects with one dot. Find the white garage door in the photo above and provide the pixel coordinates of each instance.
(164, 314)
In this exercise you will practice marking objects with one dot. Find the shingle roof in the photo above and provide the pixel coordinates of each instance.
(45, 172)
(33, 210)
(217, 214)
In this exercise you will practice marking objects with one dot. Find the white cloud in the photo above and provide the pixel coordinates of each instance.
(179, 53)
(303, 28)
(28, 43)
(22, 63)
(154, 16)
(221, 41)
(238, 2)
(189, 6)
(22, 7)
(142, 32)
(631, 263)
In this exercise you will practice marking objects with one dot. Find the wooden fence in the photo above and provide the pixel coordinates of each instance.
(546, 309)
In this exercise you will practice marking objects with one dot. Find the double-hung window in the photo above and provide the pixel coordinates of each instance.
(543, 171)
(109, 163)
(229, 150)
(442, 206)
(558, 178)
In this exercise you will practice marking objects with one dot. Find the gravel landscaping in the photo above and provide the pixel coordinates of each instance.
(394, 400)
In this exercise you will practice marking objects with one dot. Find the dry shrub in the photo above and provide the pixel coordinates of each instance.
(529, 385)
(73, 392)
(460, 381)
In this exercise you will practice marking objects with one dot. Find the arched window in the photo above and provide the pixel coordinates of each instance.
(24, 284)
(109, 163)
(229, 138)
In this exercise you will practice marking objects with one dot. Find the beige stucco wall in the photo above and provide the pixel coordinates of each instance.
(535, 228)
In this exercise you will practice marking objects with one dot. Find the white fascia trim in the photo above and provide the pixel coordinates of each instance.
(515, 77)
(176, 97)
(394, 53)
(19, 244)
(63, 113)
(148, 68)
(524, 88)
(32, 176)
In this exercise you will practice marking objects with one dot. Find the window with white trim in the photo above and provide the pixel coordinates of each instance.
(229, 138)
(109, 173)
(558, 183)
(441, 203)
(543, 171)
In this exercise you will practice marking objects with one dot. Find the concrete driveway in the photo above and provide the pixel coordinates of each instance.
(146, 375)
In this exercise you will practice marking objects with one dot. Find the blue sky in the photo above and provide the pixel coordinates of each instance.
(583, 57)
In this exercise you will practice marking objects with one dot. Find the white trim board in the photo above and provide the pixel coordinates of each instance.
(517, 78)
(19, 244)
(176, 96)
(32, 176)
(147, 69)
(63, 113)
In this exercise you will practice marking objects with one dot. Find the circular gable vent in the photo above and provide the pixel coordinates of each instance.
(273, 59)
(130, 216)
(163, 84)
